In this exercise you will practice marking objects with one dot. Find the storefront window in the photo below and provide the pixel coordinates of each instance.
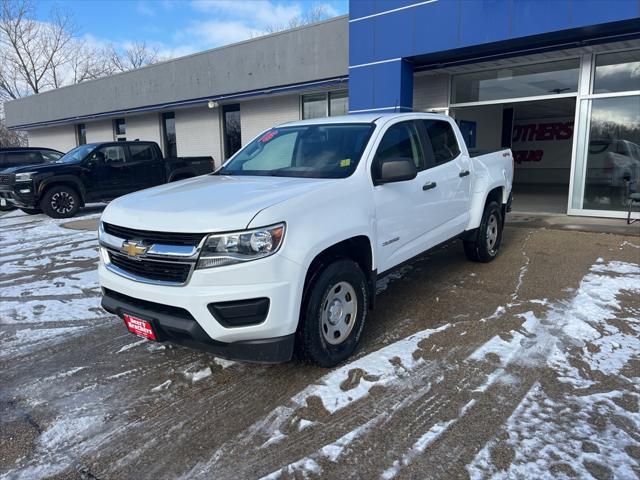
(232, 129)
(169, 130)
(617, 72)
(338, 103)
(539, 79)
(314, 106)
(81, 134)
(612, 153)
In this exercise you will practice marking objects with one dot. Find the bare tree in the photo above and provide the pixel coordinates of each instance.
(10, 138)
(33, 52)
(132, 56)
(313, 15)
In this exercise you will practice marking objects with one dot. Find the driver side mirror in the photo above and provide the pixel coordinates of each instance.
(396, 170)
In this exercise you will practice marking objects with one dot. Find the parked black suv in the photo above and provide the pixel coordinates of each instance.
(18, 156)
(93, 173)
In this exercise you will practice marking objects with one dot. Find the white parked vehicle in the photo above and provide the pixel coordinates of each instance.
(279, 250)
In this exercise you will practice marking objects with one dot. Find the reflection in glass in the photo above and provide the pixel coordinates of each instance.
(613, 153)
(338, 103)
(314, 106)
(231, 129)
(617, 72)
(169, 127)
(521, 81)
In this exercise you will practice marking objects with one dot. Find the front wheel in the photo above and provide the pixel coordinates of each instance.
(486, 244)
(60, 201)
(333, 314)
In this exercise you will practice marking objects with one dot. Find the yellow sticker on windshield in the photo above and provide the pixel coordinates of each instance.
(345, 163)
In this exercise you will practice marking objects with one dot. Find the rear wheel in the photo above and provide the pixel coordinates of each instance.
(60, 201)
(333, 314)
(486, 244)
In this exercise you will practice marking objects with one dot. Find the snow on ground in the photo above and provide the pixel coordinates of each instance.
(48, 276)
(591, 344)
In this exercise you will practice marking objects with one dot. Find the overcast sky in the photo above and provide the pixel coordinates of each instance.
(179, 27)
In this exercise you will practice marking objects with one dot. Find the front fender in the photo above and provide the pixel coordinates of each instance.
(64, 180)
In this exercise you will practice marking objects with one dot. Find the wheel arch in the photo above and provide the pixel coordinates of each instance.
(67, 181)
(357, 248)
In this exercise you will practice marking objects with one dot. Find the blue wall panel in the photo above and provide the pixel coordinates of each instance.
(385, 86)
(495, 24)
(447, 25)
(435, 27)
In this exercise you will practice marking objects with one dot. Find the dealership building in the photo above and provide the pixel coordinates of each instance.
(558, 81)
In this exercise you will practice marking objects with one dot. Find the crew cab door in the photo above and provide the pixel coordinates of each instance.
(146, 165)
(448, 182)
(108, 174)
(401, 207)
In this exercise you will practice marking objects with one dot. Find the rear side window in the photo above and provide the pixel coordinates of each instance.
(141, 152)
(444, 144)
(12, 159)
(400, 141)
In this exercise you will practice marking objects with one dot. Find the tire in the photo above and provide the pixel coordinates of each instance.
(60, 201)
(486, 244)
(31, 211)
(333, 314)
(6, 208)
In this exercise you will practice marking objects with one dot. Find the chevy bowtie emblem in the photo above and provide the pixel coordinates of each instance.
(133, 249)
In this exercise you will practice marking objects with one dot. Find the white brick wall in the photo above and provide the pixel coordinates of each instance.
(100, 131)
(144, 127)
(61, 138)
(430, 91)
(198, 133)
(258, 115)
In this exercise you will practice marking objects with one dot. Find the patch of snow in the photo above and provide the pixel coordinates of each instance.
(302, 424)
(223, 362)
(132, 345)
(384, 367)
(417, 449)
(199, 375)
(162, 386)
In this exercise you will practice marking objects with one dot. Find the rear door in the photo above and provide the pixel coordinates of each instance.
(146, 166)
(448, 183)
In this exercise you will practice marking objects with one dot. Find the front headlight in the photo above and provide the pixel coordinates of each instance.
(238, 247)
(24, 177)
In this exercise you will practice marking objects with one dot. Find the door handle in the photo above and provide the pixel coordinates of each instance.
(429, 185)
(464, 173)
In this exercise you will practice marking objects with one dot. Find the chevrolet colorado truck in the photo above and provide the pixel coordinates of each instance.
(278, 251)
(94, 172)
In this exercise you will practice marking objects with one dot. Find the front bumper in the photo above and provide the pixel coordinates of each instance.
(184, 314)
(17, 195)
(177, 326)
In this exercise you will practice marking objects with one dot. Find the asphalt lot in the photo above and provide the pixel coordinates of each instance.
(528, 367)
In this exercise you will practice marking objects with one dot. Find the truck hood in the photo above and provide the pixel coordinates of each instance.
(210, 203)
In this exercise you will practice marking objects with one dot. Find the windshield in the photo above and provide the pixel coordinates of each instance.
(317, 151)
(76, 154)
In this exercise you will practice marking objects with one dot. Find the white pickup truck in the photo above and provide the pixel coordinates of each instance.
(278, 251)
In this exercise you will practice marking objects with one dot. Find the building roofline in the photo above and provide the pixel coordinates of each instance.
(190, 102)
(190, 55)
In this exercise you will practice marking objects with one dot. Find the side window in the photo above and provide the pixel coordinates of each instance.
(22, 158)
(400, 141)
(443, 141)
(111, 154)
(142, 152)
